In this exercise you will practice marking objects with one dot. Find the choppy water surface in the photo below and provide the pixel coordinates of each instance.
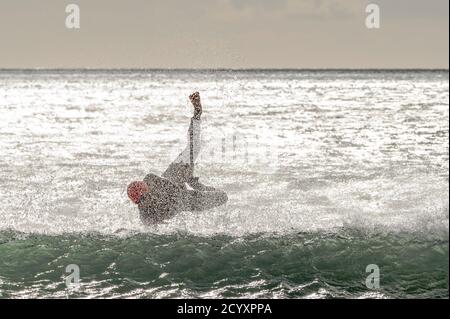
(326, 172)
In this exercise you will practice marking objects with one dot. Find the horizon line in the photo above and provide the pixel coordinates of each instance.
(220, 69)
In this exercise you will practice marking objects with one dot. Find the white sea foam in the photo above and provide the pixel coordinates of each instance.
(317, 151)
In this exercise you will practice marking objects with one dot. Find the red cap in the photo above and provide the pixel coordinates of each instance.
(135, 191)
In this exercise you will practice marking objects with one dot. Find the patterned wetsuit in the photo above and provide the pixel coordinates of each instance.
(169, 195)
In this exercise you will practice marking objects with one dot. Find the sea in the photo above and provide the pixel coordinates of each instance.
(338, 183)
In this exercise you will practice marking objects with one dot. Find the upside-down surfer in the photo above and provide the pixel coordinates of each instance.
(159, 198)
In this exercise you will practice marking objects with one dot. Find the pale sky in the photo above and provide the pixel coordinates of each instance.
(224, 34)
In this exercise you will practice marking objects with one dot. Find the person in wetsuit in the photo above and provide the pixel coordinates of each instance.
(160, 198)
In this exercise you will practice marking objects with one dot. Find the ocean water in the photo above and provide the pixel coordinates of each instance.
(327, 172)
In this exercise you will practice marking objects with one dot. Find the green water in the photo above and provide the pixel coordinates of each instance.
(181, 265)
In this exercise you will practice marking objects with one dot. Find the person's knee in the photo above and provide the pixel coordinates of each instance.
(207, 200)
(223, 197)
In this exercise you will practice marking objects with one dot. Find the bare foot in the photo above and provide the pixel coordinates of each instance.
(195, 100)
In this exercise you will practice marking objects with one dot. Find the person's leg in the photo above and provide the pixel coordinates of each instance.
(178, 173)
(181, 169)
(195, 184)
(197, 200)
